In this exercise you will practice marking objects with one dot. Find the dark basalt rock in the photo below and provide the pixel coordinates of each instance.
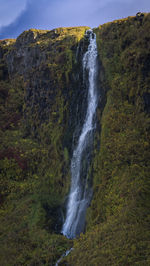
(139, 16)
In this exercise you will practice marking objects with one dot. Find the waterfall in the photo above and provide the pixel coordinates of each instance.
(80, 192)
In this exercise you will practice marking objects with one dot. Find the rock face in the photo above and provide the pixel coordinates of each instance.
(120, 207)
(43, 99)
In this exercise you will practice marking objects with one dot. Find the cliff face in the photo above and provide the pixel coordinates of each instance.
(118, 219)
(42, 100)
(41, 94)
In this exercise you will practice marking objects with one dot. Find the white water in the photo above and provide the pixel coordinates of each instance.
(79, 196)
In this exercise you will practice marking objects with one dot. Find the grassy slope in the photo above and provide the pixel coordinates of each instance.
(119, 217)
(34, 129)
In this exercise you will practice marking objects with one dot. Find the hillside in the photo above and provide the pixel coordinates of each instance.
(43, 102)
(118, 219)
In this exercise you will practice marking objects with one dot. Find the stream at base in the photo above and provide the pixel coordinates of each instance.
(65, 254)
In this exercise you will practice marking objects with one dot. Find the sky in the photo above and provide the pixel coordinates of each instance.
(19, 15)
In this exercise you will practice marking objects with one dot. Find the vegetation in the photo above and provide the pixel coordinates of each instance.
(40, 90)
(36, 94)
(118, 218)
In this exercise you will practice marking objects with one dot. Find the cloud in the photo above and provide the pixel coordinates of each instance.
(9, 10)
(33, 16)
(49, 14)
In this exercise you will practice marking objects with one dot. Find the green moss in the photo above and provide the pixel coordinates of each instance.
(36, 96)
(39, 92)
(118, 218)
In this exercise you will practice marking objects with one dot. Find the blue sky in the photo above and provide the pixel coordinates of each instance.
(19, 15)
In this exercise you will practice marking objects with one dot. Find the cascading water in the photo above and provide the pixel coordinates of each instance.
(80, 193)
